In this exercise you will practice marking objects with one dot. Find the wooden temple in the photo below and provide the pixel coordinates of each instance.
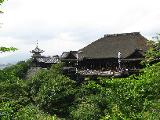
(39, 60)
(113, 52)
(109, 55)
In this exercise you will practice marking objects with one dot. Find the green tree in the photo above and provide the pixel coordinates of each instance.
(32, 112)
(6, 49)
(1, 1)
(153, 53)
(19, 70)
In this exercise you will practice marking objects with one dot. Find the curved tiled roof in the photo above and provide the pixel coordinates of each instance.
(67, 55)
(110, 45)
(37, 50)
(43, 59)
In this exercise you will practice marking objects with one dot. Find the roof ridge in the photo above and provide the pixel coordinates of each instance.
(120, 34)
(113, 35)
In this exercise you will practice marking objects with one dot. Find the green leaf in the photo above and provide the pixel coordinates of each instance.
(6, 49)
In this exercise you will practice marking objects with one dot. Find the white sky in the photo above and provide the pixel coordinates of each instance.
(63, 25)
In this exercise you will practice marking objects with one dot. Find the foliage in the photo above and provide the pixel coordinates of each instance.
(86, 111)
(31, 112)
(56, 95)
(53, 92)
(1, 1)
(13, 91)
(19, 70)
(133, 98)
(153, 52)
(13, 95)
(5, 49)
(8, 110)
(49, 94)
(14, 111)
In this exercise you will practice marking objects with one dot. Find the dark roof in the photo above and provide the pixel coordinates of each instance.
(64, 55)
(54, 59)
(110, 45)
(69, 55)
(37, 50)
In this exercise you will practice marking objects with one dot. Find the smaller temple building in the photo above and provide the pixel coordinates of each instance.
(42, 61)
(69, 58)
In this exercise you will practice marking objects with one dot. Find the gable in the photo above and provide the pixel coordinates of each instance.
(69, 55)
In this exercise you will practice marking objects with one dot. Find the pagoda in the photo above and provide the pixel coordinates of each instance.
(36, 52)
(42, 61)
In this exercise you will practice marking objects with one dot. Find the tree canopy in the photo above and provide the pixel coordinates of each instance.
(51, 95)
(153, 52)
(6, 49)
(1, 1)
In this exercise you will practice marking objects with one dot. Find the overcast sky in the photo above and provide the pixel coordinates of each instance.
(64, 25)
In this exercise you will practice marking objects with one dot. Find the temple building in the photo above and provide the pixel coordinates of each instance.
(103, 53)
(42, 61)
(112, 52)
(70, 58)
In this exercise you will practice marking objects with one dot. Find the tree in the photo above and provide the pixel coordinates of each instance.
(152, 55)
(6, 49)
(1, 1)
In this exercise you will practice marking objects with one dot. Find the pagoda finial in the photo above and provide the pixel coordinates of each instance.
(37, 43)
(37, 50)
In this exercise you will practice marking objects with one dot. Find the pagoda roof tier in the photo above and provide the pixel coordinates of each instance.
(37, 50)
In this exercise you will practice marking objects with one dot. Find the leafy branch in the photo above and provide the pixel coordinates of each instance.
(5, 49)
(1, 1)
(153, 52)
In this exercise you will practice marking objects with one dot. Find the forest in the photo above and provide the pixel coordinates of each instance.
(50, 95)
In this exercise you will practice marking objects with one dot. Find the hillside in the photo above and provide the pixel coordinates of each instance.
(51, 95)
